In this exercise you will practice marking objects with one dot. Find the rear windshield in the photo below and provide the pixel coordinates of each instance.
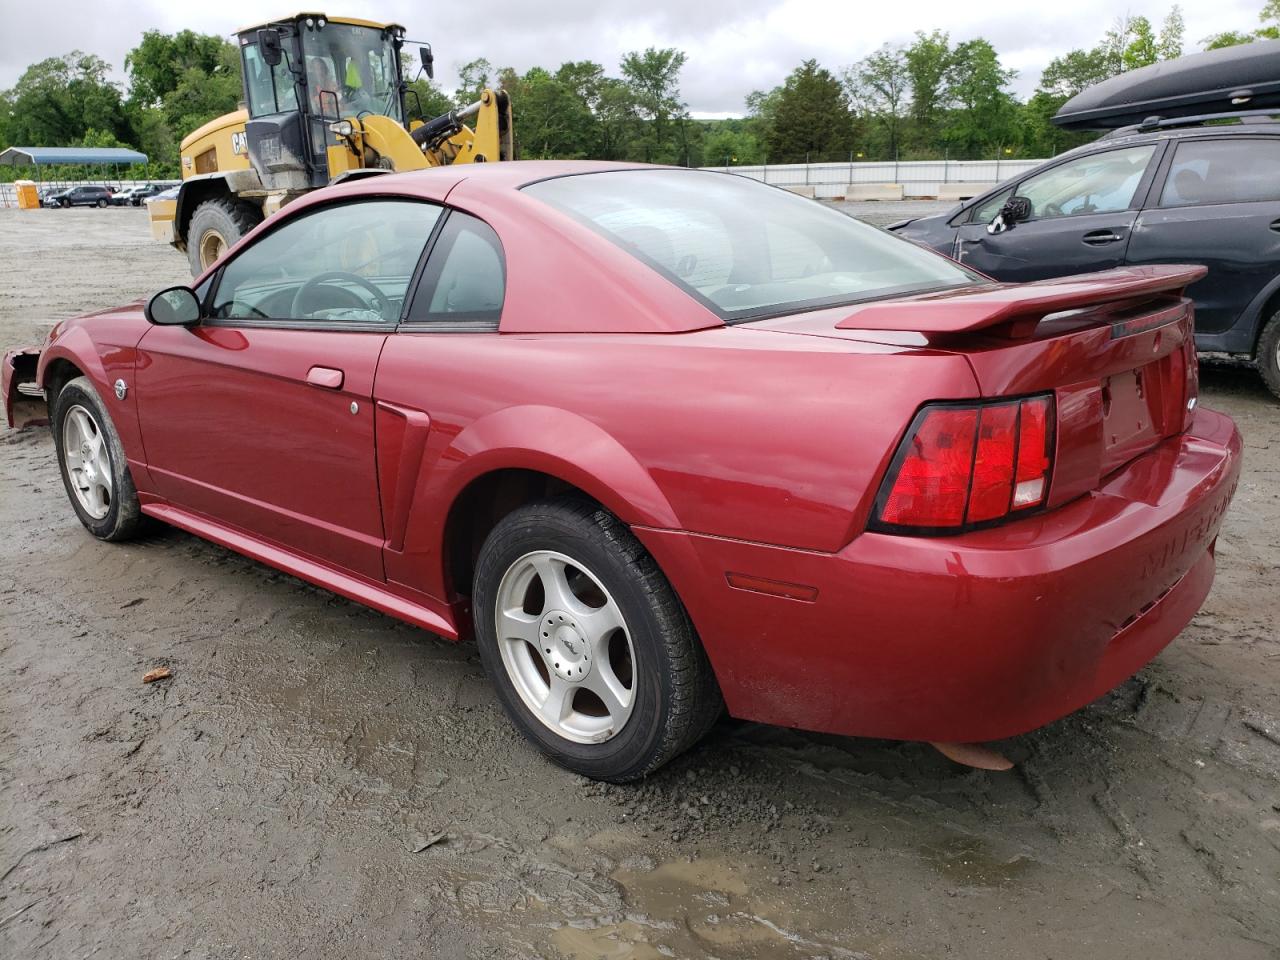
(744, 249)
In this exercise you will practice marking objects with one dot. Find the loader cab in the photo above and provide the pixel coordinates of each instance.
(305, 73)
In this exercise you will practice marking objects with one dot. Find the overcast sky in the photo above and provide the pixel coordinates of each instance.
(734, 46)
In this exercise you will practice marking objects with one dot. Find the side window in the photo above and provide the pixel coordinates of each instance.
(1223, 171)
(986, 212)
(1098, 183)
(466, 277)
(345, 263)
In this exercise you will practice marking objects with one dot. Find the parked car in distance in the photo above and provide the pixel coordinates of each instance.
(134, 196)
(1177, 191)
(81, 196)
(665, 441)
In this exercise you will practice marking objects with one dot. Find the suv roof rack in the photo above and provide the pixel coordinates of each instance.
(1169, 123)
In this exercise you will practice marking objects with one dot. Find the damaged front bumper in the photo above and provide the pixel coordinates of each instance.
(24, 399)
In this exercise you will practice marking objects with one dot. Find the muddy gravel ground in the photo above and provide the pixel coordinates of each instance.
(318, 780)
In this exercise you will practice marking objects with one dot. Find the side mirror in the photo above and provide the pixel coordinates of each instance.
(269, 46)
(1014, 211)
(428, 60)
(174, 307)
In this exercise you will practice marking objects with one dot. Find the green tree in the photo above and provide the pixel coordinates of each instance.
(810, 118)
(617, 119)
(160, 63)
(654, 79)
(985, 116)
(1140, 48)
(1270, 30)
(927, 61)
(1172, 32)
(879, 84)
(728, 143)
(57, 101)
(473, 78)
(551, 120)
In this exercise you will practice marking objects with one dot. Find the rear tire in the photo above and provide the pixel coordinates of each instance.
(1268, 355)
(95, 471)
(102, 204)
(643, 648)
(215, 226)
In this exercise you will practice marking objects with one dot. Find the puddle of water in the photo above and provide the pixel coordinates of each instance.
(683, 908)
(967, 861)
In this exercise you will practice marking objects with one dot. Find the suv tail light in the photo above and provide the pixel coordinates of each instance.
(969, 465)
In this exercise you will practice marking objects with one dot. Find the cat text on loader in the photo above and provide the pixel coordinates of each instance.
(324, 100)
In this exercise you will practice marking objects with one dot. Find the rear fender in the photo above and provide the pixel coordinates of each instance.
(569, 448)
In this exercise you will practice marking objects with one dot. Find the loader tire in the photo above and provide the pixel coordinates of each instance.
(215, 226)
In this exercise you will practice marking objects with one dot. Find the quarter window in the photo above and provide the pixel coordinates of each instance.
(1098, 183)
(348, 263)
(1223, 171)
(465, 279)
(986, 212)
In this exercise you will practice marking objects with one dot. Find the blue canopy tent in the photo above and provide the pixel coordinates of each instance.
(38, 157)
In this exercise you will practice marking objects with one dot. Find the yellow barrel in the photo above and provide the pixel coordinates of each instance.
(28, 196)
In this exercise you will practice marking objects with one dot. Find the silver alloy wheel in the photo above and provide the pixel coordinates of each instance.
(84, 450)
(566, 647)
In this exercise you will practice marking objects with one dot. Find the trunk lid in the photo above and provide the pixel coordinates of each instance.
(1115, 348)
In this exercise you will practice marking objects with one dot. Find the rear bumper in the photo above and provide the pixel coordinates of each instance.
(24, 402)
(967, 638)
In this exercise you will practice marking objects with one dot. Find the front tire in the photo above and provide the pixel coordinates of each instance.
(215, 227)
(91, 459)
(592, 655)
(1268, 356)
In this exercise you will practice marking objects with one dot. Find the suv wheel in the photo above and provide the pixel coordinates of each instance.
(592, 655)
(102, 201)
(1268, 356)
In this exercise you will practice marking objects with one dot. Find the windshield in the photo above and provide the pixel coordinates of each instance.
(744, 249)
(355, 64)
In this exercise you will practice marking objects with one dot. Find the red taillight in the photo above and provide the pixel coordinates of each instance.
(964, 466)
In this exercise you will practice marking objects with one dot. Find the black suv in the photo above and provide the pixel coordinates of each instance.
(80, 197)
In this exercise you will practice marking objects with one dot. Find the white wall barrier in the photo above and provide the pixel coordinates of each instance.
(918, 178)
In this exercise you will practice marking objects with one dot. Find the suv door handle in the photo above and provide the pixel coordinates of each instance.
(1275, 225)
(326, 377)
(1096, 238)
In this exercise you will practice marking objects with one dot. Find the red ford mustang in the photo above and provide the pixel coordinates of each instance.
(666, 441)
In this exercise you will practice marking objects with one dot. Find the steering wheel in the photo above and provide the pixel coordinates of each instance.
(1052, 210)
(380, 302)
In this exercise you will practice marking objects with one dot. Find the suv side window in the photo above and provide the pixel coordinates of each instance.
(1099, 183)
(1223, 171)
(351, 262)
(465, 278)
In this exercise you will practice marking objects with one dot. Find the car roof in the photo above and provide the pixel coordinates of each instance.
(1128, 136)
(547, 252)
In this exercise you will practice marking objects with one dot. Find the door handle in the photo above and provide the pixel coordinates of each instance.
(1275, 225)
(326, 377)
(1097, 238)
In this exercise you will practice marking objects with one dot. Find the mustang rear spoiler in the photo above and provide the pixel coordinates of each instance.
(1017, 308)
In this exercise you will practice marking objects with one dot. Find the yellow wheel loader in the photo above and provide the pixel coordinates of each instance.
(324, 101)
